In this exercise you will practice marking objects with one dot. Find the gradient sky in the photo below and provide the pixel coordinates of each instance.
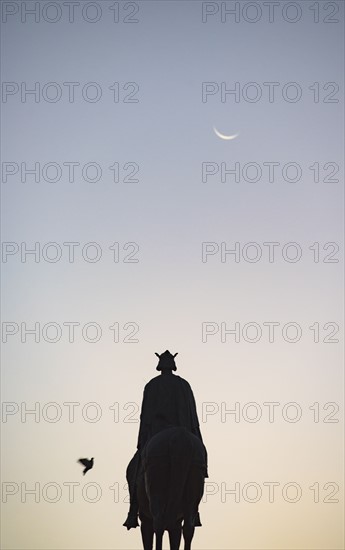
(169, 293)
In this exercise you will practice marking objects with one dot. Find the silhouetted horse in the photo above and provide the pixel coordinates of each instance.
(170, 486)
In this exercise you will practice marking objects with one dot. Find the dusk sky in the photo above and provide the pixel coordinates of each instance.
(129, 227)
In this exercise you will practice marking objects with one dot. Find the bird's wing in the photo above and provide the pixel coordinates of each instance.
(84, 462)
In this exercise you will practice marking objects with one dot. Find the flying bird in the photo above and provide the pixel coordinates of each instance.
(87, 463)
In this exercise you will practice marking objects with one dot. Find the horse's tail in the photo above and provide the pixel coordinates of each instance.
(181, 449)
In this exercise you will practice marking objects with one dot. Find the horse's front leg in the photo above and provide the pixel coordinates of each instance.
(159, 539)
(175, 536)
(188, 534)
(146, 528)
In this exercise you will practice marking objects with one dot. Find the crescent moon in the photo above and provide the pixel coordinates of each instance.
(223, 136)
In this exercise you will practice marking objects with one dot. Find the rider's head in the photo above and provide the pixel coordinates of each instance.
(166, 361)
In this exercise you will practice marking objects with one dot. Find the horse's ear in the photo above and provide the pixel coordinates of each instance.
(157, 354)
(175, 354)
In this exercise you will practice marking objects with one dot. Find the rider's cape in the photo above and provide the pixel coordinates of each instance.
(168, 401)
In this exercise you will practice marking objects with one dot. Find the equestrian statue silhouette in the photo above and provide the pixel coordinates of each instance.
(167, 473)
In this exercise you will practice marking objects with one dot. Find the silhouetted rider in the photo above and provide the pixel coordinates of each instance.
(168, 401)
